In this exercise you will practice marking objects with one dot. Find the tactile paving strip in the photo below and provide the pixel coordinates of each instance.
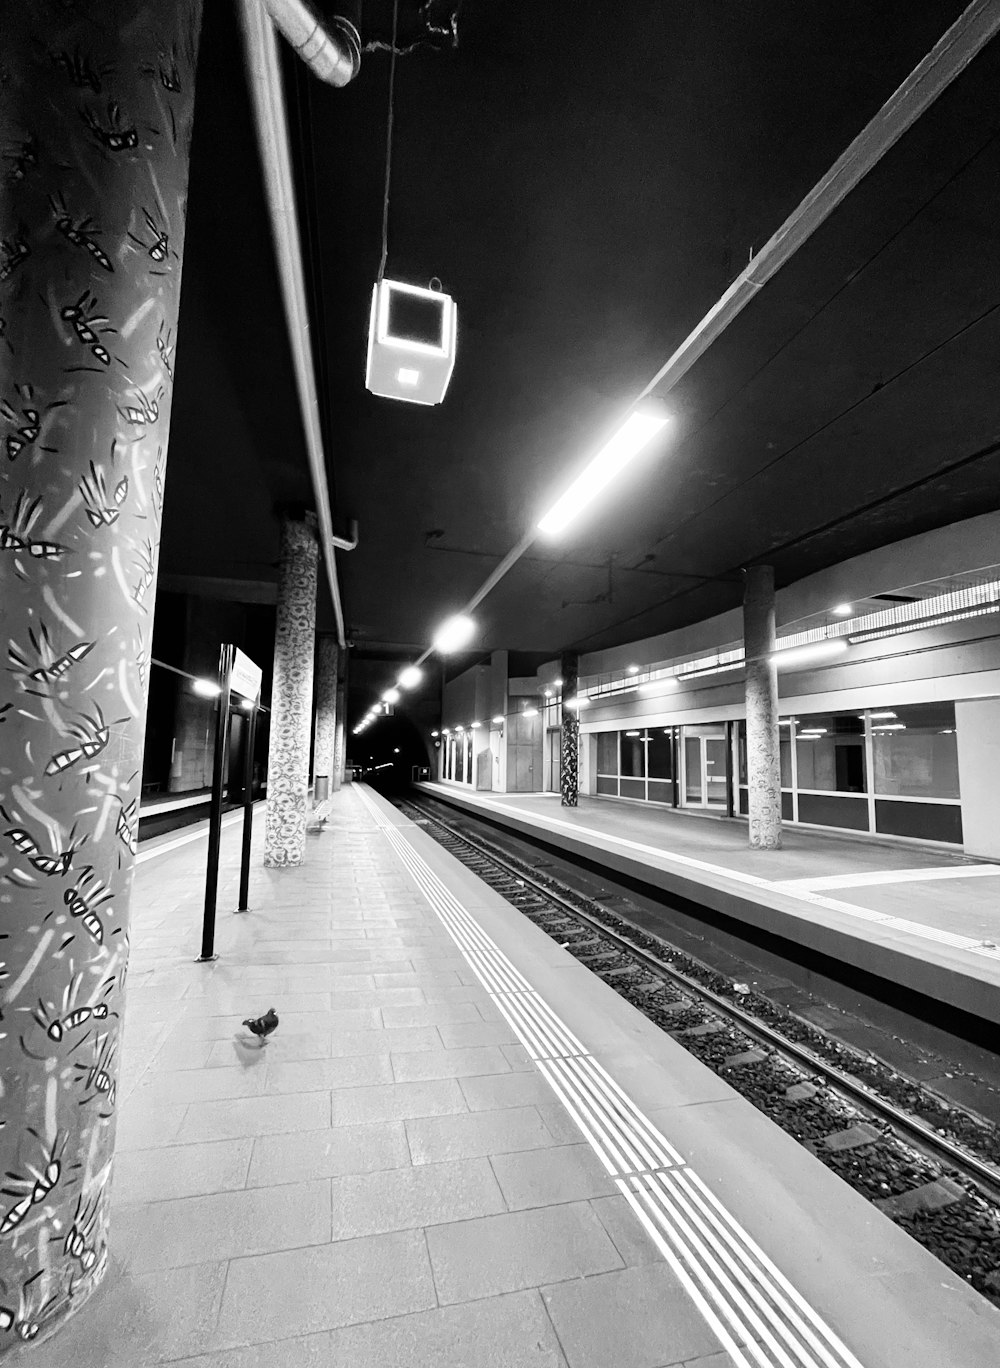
(757, 1315)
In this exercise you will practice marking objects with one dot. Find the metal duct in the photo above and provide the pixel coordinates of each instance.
(332, 51)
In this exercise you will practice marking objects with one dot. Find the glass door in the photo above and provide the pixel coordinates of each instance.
(715, 770)
(694, 772)
(704, 778)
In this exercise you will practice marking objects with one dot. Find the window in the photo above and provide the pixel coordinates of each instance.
(914, 751)
(784, 752)
(659, 753)
(633, 754)
(830, 753)
(607, 752)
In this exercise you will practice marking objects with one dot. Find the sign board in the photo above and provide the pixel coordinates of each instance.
(411, 342)
(246, 676)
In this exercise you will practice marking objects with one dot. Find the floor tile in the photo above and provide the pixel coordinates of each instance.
(467, 1135)
(498, 1332)
(565, 1173)
(324, 1286)
(248, 1053)
(230, 1118)
(411, 1197)
(163, 1087)
(465, 1034)
(487, 1059)
(430, 1014)
(397, 1101)
(636, 1318)
(179, 1171)
(307, 1351)
(328, 1153)
(494, 1254)
(315, 1075)
(492, 1092)
(622, 1224)
(148, 1127)
(136, 1319)
(225, 1225)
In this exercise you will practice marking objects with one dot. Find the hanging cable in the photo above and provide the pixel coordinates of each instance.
(388, 143)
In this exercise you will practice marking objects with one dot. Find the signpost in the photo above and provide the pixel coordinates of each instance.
(237, 674)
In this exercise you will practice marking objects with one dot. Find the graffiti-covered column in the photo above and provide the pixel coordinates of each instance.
(291, 695)
(96, 108)
(569, 756)
(338, 741)
(326, 713)
(763, 756)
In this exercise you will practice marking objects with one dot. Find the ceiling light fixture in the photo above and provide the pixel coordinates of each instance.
(475, 724)
(453, 634)
(633, 669)
(842, 609)
(875, 715)
(655, 685)
(498, 719)
(529, 712)
(390, 696)
(638, 429)
(815, 650)
(206, 688)
(410, 677)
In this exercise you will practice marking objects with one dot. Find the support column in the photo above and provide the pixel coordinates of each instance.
(324, 746)
(96, 106)
(291, 696)
(763, 755)
(569, 755)
(338, 736)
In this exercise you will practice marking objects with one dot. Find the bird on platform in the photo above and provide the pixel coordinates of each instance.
(262, 1026)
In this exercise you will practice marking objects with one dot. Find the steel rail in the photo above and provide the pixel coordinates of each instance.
(982, 1174)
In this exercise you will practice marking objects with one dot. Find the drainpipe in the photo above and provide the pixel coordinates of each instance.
(334, 57)
(337, 55)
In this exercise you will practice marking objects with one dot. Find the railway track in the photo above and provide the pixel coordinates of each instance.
(932, 1168)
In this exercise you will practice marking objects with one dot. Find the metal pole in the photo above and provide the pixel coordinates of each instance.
(247, 809)
(215, 815)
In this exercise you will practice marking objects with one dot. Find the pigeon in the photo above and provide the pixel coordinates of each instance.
(263, 1026)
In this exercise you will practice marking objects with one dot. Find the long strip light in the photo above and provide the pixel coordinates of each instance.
(816, 650)
(453, 634)
(637, 431)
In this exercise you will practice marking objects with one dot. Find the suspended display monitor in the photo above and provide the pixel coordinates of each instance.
(411, 342)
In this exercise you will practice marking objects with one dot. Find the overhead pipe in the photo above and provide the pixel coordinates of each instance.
(948, 58)
(264, 79)
(350, 542)
(335, 57)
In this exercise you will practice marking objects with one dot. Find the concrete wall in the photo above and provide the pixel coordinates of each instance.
(977, 725)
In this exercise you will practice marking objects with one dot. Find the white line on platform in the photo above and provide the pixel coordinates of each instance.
(890, 876)
(974, 945)
(754, 1312)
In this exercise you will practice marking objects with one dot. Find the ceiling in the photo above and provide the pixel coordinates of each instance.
(586, 189)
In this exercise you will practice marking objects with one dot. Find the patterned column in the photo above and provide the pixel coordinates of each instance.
(763, 762)
(569, 757)
(338, 738)
(324, 745)
(96, 108)
(291, 696)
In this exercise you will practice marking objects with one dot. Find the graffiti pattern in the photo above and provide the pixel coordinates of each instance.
(326, 707)
(88, 319)
(569, 755)
(763, 755)
(291, 696)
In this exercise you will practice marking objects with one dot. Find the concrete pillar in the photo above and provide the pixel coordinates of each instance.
(291, 696)
(569, 757)
(324, 759)
(338, 737)
(763, 755)
(96, 106)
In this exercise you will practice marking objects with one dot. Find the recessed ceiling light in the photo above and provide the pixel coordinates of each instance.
(843, 609)
(633, 669)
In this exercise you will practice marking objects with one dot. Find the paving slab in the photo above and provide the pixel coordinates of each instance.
(636, 1318)
(397, 1101)
(468, 1135)
(494, 1254)
(412, 1197)
(142, 1176)
(564, 1173)
(323, 1286)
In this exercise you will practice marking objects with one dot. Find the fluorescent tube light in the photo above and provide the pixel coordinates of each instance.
(206, 688)
(453, 634)
(842, 609)
(639, 428)
(498, 720)
(410, 677)
(390, 696)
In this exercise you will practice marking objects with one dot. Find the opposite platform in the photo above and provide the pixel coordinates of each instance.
(924, 919)
(460, 1147)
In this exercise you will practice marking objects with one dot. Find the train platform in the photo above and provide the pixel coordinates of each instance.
(923, 918)
(458, 1148)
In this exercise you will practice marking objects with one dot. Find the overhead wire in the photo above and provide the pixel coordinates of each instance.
(390, 112)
